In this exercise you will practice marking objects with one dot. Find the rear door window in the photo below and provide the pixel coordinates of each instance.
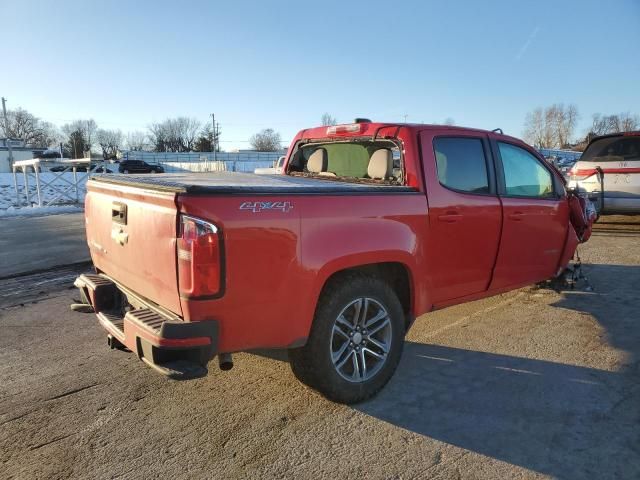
(462, 164)
(524, 175)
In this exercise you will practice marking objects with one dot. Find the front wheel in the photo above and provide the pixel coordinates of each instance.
(355, 342)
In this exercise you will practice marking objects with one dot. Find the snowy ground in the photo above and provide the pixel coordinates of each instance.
(53, 193)
(39, 211)
(55, 201)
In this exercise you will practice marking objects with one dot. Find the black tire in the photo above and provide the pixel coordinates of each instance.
(313, 364)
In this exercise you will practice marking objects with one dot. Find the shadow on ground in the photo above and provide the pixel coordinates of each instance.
(561, 420)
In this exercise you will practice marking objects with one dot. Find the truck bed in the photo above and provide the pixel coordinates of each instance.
(236, 182)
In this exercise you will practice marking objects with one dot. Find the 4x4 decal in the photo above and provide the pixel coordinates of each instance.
(257, 207)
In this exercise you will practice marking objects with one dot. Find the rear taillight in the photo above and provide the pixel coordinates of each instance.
(578, 174)
(199, 258)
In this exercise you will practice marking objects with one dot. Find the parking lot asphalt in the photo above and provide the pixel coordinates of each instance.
(38, 243)
(529, 384)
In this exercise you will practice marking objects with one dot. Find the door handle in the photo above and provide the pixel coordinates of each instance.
(516, 216)
(450, 217)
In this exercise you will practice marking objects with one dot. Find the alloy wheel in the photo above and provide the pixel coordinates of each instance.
(361, 339)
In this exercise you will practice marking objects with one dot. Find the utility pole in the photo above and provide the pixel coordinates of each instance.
(214, 141)
(6, 130)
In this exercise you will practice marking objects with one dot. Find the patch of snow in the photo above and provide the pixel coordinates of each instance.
(49, 193)
(39, 211)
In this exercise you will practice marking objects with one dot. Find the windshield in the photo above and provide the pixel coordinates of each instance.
(613, 149)
(362, 160)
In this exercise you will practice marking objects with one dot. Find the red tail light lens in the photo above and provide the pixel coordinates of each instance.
(199, 258)
(581, 174)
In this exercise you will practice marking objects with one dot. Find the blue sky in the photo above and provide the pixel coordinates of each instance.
(283, 64)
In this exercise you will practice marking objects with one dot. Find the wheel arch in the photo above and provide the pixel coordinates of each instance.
(396, 274)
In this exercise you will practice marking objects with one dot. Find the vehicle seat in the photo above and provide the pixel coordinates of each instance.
(318, 162)
(441, 165)
(380, 164)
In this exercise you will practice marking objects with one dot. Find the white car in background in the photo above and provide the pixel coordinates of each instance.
(275, 170)
(617, 158)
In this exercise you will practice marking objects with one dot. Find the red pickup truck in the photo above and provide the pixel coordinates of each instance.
(369, 226)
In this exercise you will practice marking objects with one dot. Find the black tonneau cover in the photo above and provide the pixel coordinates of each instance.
(243, 183)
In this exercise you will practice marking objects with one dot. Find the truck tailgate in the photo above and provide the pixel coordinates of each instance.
(131, 232)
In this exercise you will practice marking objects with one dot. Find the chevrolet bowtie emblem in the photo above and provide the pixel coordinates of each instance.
(119, 235)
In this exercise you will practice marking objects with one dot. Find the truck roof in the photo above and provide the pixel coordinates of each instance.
(385, 129)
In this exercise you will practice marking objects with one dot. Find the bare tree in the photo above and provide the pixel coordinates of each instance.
(539, 127)
(449, 121)
(109, 141)
(534, 127)
(557, 119)
(616, 123)
(90, 128)
(571, 120)
(600, 124)
(563, 123)
(208, 140)
(77, 130)
(267, 140)
(34, 131)
(552, 126)
(136, 141)
(548, 131)
(628, 122)
(175, 134)
(76, 143)
(189, 129)
(328, 120)
(158, 137)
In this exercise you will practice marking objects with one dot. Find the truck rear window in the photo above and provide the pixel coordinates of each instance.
(359, 160)
(613, 149)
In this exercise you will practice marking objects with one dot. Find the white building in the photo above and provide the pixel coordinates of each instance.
(19, 152)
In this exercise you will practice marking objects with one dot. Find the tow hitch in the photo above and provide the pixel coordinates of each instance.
(114, 343)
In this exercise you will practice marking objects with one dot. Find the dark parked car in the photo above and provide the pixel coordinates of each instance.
(138, 166)
(69, 168)
(79, 168)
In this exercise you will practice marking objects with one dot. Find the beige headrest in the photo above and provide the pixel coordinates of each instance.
(317, 161)
(380, 164)
(441, 165)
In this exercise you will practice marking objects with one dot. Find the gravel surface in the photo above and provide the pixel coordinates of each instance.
(530, 384)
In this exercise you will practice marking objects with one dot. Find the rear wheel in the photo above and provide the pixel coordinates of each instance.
(355, 342)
